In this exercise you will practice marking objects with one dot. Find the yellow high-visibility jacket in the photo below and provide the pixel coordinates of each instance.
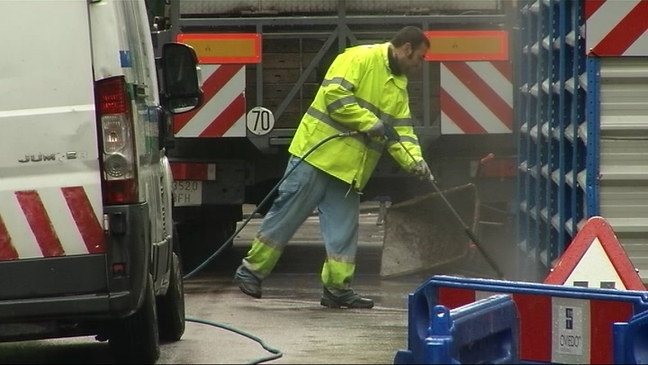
(358, 91)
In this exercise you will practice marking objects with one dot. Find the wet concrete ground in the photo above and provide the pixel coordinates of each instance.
(289, 318)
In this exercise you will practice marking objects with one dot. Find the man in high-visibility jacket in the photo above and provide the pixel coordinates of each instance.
(365, 90)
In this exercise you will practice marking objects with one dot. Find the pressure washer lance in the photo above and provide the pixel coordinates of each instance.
(392, 135)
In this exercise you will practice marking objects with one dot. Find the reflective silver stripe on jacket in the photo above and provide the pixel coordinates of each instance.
(339, 81)
(363, 103)
(374, 145)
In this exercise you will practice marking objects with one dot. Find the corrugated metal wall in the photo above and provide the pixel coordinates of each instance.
(623, 148)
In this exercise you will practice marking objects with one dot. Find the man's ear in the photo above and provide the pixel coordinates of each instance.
(407, 47)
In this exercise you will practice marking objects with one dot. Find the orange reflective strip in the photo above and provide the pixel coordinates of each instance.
(468, 45)
(224, 47)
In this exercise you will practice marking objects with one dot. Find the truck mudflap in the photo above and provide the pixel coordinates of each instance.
(422, 234)
(81, 287)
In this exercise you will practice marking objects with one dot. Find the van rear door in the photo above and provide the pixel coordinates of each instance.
(50, 186)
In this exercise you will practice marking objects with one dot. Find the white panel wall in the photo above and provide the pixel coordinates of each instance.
(624, 154)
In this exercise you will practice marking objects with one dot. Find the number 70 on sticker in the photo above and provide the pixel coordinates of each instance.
(260, 120)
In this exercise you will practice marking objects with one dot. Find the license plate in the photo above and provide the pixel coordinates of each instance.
(187, 193)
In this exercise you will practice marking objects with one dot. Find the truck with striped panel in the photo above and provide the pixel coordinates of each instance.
(583, 122)
(86, 226)
(262, 62)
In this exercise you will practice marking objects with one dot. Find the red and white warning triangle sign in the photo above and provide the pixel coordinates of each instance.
(595, 258)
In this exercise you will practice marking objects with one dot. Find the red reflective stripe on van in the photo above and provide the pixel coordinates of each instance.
(39, 222)
(7, 250)
(85, 219)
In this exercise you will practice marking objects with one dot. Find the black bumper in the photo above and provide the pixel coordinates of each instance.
(83, 286)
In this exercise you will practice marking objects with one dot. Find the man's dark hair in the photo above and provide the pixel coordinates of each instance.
(411, 35)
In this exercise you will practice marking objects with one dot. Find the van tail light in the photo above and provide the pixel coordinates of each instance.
(116, 141)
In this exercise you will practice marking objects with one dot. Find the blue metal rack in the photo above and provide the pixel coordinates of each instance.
(556, 190)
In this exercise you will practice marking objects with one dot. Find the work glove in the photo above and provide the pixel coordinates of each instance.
(421, 170)
(383, 130)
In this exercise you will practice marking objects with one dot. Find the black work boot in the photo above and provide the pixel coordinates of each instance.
(345, 298)
(249, 283)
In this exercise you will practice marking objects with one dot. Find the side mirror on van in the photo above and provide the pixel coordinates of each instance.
(182, 87)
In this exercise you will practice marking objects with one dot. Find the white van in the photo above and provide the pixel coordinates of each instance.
(86, 232)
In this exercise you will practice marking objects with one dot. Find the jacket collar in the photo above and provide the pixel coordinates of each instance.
(400, 81)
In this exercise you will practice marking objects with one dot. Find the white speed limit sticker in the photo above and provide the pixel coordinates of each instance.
(260, 120)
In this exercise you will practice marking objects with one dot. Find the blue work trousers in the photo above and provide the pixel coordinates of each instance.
(305, 189)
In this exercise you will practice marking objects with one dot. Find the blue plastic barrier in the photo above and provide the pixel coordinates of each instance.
(631, 340)
(485, 331)
(558, 324)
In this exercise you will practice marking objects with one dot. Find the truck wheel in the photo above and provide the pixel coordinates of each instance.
(171, 306)
(135, 339)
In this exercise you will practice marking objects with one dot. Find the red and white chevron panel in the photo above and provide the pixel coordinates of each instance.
(616, 28)
(48, 223)
(223, 111)
(476, 97)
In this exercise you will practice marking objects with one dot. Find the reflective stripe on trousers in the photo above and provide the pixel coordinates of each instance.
(338, 206)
